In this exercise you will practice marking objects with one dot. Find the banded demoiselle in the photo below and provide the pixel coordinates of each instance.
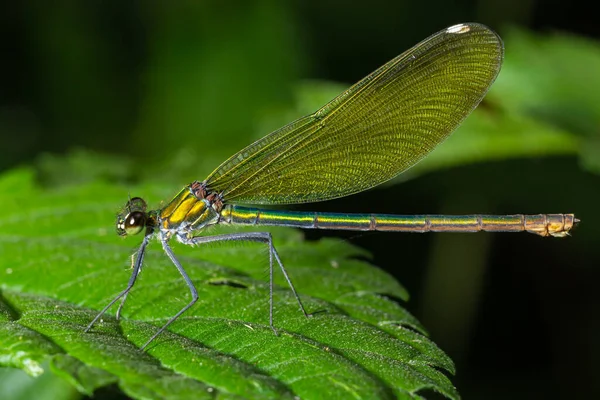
(370, 133)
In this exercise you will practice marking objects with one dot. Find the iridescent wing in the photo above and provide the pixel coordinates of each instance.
(373, 131)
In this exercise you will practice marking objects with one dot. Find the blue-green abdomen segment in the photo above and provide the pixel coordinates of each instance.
(542, 224)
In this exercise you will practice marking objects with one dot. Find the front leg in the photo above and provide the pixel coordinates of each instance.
(136, 270)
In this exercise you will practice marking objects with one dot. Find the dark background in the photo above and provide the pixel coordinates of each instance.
(146, 82)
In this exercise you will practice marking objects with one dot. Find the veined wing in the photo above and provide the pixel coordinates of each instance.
(373, 131)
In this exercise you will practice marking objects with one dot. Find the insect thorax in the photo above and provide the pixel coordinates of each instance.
(189, 211)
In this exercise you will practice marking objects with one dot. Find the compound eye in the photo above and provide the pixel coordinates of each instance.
(134, 222)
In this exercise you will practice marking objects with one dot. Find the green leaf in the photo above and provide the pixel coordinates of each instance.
(16, 385)
(494, 135)
(551, 77)
(61, 263)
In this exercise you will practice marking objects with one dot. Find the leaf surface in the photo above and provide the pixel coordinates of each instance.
(61, 263)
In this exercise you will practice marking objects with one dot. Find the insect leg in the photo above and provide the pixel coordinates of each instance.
(263, 237)
(129, 285)
(136, 270)
(188, 281)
